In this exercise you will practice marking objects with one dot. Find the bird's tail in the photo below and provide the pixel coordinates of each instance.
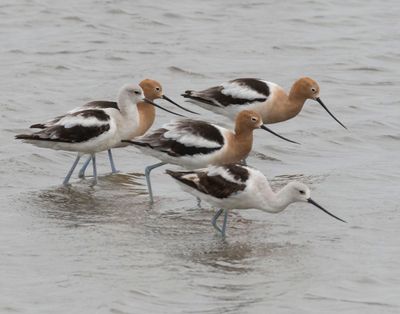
(175, 174)
(197, 96)
(187, 94)
(25, 137)
(185, 177)
(38, 126)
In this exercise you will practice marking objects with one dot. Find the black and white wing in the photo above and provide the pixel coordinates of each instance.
(97, 104)
(185, 137)
(75, 127)
(216, 181)
(242, 91)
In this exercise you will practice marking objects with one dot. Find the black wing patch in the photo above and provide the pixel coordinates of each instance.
(74, 134)
(88, 113)
(58, 133)
(254, 84)
(157, 141)
(169, 146)
(101, 104)
(238, 172)
(216, 186)
(214, 95)
(202, 129)
(226, 100)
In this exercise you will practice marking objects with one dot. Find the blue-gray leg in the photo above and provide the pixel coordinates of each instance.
(81, 173)
(71, 171)
(112, 164)
(94, 170)
(225, 222)
(214, 220)
(87, 162)
(147, 174)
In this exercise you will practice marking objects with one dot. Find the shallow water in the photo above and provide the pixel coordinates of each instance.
(105, 250)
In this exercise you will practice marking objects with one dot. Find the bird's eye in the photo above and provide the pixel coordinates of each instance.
(313, 90)
(158, 89)
(254, 119)
(302, 192)
(137, 92)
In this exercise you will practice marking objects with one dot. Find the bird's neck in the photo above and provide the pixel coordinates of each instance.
(243, 142)
(283, 106)
(295, 100)
(276, 202)
(126, 106)
(237, 148)
(243, 132)
(146, 117)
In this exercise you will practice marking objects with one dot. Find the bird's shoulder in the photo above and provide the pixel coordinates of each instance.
(101, 104)
(195, 133)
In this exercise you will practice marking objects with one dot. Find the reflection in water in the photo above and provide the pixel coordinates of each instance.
(223, 255)
(112, 199)
(192, 238)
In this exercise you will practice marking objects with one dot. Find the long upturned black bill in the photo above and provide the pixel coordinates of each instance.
(276, 134)
(179, 106)
(330, 113)
(155, 105)
(311, 201)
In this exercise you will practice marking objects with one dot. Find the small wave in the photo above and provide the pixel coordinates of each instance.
(146, 52)
(298, 47)
(118, 11)
(114, 58)
(262, 156)
(62, 52)
(391, 137)
(382, 83)
(142, 293)
(172, 15)
(367, 69)
(153, 22)
(46, 11)
(253, 4)
(73, 18)
(347, 38)
(374, 303)
(298, 20)
(182, 71)
(97, 41)
(16, 51)
(61, 67)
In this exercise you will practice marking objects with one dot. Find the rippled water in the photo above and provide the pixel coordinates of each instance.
(104, 250)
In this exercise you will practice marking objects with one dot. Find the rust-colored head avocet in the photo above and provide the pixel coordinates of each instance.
(195, 143)
(267, 98)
